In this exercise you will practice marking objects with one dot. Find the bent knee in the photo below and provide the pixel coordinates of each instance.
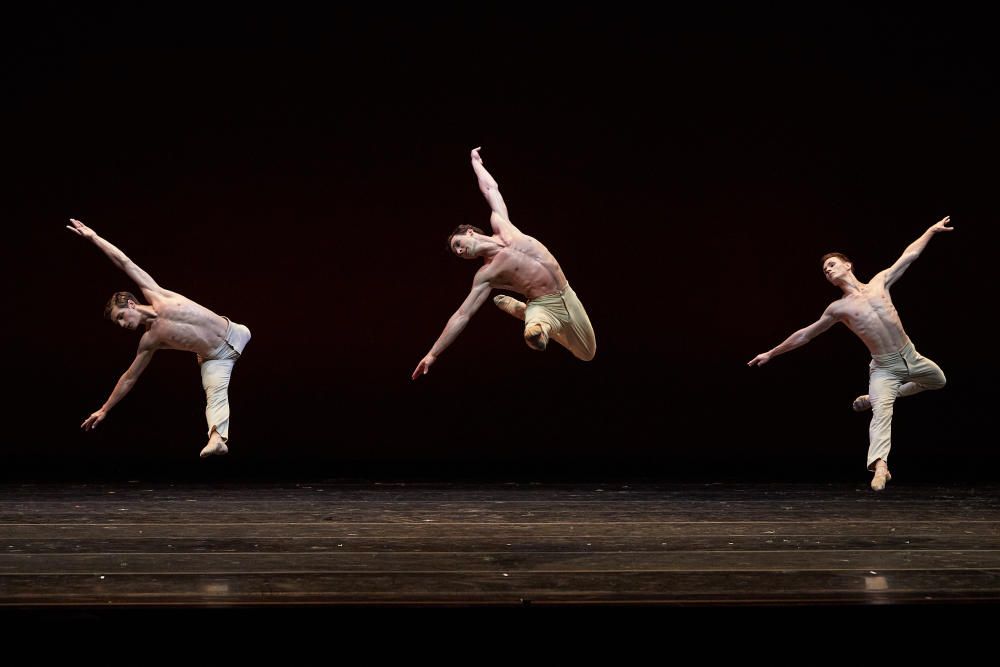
(932, 383)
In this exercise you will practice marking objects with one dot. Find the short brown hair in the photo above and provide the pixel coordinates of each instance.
(839, 255)
(120, 300)
(461, 229)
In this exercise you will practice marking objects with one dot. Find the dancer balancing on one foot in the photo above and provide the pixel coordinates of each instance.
(896, 368)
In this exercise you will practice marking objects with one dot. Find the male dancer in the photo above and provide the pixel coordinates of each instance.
(172, 321)
(896, 368)
(515, 261)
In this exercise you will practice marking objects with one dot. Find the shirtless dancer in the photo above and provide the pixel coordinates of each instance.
(896, 368)
(514, 261)
(174, 322)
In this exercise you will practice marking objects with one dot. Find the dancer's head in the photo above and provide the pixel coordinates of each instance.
(463, 242)
(121, 309)
(836, 266)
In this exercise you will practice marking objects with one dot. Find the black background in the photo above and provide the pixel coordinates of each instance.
(299, 171)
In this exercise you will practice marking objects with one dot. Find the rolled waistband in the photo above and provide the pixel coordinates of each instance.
(237, 337)
(553, 295)
(895, 355)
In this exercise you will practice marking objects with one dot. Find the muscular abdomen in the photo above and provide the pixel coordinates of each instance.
(875, 321)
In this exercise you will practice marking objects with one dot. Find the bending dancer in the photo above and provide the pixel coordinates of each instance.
(514, 261)
(896, 368)
(172, 321)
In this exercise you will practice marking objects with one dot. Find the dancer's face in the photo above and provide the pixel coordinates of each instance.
(834, 268)
(464, 245)
(127, 318)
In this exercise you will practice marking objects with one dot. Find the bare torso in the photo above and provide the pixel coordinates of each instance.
(871, 315)
(525, 266)
(182, 324)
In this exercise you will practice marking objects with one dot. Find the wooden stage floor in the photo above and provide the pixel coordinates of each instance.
(136, 544)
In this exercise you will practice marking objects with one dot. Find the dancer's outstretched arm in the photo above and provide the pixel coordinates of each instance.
(119, 259)
(893, 273)
(797, 339)
(477, 297)
(125, 382)
(499, 220)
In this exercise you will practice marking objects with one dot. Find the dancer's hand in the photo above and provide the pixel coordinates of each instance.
(423, 366)
(475, 155)
(942, 225)
(760, 359)
(91, 422)
(81, 229)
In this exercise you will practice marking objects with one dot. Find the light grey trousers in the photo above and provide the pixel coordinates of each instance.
(216, 369)
(901, 373)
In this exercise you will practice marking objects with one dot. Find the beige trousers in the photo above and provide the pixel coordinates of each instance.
(568, 321)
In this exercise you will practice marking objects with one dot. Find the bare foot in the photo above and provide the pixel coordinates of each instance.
(862, 403)
(510, 305)
(537, 336)
(215, 446)
(881, 476)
